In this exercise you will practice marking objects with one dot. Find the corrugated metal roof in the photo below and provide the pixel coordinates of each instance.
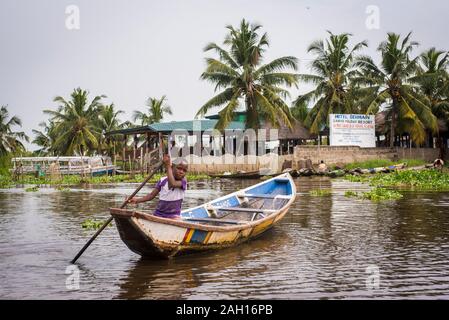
(167, 127)
(192, 125)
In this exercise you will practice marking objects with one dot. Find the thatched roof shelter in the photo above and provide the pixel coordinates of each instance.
(298, 132)
(380, 123)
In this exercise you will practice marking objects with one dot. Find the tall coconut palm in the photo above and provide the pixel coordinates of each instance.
(10, 140)
(391, 86)
(45, 139)
(108, 121)
(333, 68)
(239, 75)
(75, 123)
(300, 111)
(433, 80)
(157, 108)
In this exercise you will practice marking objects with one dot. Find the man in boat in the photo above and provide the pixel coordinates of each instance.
(171, 189)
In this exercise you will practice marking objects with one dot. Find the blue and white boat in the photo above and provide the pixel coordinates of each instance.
(221, 223)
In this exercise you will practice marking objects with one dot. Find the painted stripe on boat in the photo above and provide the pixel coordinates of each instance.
(197, 236)
(188, 235)
(207, 237)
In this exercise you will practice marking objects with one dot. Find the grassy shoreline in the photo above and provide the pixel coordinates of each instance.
(7, 182)
(376, 163)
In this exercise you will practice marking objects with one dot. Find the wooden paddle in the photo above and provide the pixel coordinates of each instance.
(155, 168)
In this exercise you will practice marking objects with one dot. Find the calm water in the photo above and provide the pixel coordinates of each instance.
(325, 247)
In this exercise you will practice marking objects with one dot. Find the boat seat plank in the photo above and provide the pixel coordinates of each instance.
(265, 196)
(239, 209)
(216, 220)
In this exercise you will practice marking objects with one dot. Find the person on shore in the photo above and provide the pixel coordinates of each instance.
(322, 167)
(438, 164)
(171, 189)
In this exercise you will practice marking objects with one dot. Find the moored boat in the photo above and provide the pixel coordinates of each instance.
(221, 223)
(262, 172)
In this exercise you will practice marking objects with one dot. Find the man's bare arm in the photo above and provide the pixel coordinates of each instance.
(172, 182)
(148, 197)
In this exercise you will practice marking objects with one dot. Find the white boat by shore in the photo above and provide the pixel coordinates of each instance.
(97, 165)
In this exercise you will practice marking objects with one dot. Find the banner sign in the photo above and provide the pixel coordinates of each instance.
(352, 130)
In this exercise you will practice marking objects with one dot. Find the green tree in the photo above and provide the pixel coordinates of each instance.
(157, 108)
(300, 111)
(390, 85)
(238, 74)
(433, 80)
(75, 123)
(108, 120)
(45, 139)
(333, 68)
(10, 140)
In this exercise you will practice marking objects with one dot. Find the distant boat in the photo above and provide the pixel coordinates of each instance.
(262, 172)
(97, 165)
(221, 223)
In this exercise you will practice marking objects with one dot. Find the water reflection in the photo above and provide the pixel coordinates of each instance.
(321, 249)
(179, 278)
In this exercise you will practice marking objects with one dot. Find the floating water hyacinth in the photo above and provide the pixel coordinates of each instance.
(63, 189)
(320, 192)
(351, 194)
(32, 189)
(92, 224)
(380, 194)
(421, 180)
(376, 194)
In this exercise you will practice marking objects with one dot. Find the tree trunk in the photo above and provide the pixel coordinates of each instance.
(252, 117)
(393, 124)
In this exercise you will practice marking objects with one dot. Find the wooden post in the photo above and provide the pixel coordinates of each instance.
(130, 167)
(134, 150)
(124, 153)
(141, 160)
(115, 160)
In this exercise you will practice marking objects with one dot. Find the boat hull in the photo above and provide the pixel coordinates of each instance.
(151, 239)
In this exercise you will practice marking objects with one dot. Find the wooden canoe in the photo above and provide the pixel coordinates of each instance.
(221, 223)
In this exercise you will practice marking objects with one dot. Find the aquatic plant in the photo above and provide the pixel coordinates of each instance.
(32, 189)
(349, 193)
(376, 163)
(62, 188)
(423, 179)
(92, 224)
(6, 181)
(320, 192)
(380, 194)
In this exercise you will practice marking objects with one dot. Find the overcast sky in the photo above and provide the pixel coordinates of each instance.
(131, 50)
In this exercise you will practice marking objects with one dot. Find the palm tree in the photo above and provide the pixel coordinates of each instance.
(10, 141)
(108, 121)
(390, 84)
(239, 75)
(433, 80)
(157, 108)
(75, 123)
(45, 139)
(300, 111)
(333, 67)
